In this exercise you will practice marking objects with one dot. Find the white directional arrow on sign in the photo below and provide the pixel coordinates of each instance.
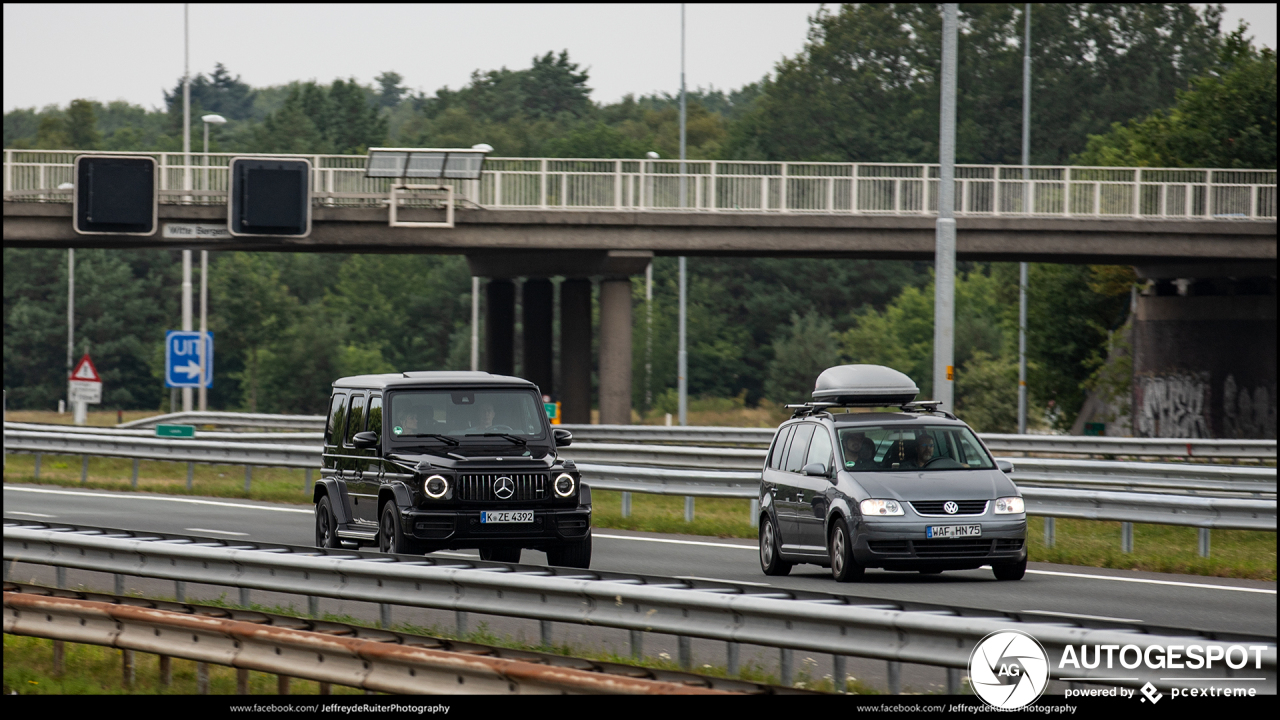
(191, 369)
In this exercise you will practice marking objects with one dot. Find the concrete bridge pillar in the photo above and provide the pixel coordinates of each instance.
(1205, 353)
(536, 308)
(575, 351)
(615, 351)
(500, 327)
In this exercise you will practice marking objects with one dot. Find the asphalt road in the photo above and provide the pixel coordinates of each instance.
(1223, 605)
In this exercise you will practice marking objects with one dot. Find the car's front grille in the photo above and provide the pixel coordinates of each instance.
(480, 487)
(959, 548)
(935, 507)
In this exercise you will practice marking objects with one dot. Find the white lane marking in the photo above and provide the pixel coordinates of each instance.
(752, 548)
(216, 532)
(167, 498)
(1223, 679)
(731, 582)
(15, 512)
(1155, 582)
(1083, 617)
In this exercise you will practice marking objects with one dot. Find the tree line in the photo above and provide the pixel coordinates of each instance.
(1147, 84)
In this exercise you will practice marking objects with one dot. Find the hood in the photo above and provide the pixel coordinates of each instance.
(473, 463)
(935, 485)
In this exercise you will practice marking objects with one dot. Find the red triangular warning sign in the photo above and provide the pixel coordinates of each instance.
(85, 371)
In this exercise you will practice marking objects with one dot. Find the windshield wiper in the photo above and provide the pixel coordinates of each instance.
(443, 438)
(512, 438)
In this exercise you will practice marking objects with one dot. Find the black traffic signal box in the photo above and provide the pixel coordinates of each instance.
(115, 195)
(269, 196)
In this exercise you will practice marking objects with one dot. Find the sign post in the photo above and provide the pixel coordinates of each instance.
(83, 387)
(182, 351)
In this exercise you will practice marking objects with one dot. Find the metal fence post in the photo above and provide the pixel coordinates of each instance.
(248, 476)
(637, 643)
(544, 630)
(166, 671)
(1126, 537)
(786, 666)
(838, 673)
(180, 590)
(60, 577)
(119, 583)
(688, 508)
(191, 473)
(84, 470)
(1050, 536)
(244, 597)
(626, 504)
(37, 466)
(384, 616)
(127, 668)
(307, 482)
(1203, 537)
(895, 677)
(134, 478)
(732, 650)
(460, 622)
(953, 681)
(684, 644)
(313, 606)
(755, 512)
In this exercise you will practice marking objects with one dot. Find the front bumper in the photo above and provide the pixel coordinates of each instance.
(461, 529)
(901, 544)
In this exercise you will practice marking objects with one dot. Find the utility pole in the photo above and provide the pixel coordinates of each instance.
(475, 323)
(945, 243)
(648, 337)
(186, 179)
(74, 407)
(683, 358)
(1022, 267)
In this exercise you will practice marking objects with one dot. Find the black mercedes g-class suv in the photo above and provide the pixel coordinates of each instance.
(424, 461)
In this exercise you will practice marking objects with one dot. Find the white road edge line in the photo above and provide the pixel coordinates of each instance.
(216, 532)
(1083, 617)
(168, 498)
(752, 548)
(1155, 582)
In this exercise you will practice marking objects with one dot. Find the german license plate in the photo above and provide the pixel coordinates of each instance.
(507, 516)
(953, 531)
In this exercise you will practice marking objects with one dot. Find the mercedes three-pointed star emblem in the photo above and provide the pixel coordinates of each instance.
(504, 488)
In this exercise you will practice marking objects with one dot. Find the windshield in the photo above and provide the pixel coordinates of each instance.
(458, 414)
(912, 447)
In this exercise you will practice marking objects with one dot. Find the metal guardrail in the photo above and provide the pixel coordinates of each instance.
(331, 627)
(840, 625)
(731, 186)
(1042, 444)
(288, 438)
(622, 473)
(374, 665)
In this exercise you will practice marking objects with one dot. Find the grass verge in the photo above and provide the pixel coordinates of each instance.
(1157, 548)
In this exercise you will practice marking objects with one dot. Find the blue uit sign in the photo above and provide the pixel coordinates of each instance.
(182, 359)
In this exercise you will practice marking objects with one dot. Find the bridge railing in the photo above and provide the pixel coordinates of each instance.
(729, 186)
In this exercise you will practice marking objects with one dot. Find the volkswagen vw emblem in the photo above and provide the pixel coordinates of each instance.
(950, 508)
(504, 488)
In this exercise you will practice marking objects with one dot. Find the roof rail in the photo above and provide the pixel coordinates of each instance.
(815, 408)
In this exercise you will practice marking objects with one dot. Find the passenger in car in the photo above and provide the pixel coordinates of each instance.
(859, 452)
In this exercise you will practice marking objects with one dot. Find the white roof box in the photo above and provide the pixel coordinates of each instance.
(864, 385)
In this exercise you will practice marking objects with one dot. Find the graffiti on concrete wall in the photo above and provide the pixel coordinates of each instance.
(1248, 414)
(1173, 406)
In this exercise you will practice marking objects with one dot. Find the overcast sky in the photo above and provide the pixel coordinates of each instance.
(56, 53)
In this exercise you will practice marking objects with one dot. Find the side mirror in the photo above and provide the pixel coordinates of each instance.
(1005, 466)
(365, 440)
(815, 469)
(563, 437)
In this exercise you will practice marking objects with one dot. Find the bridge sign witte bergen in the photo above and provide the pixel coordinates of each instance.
(182, 351)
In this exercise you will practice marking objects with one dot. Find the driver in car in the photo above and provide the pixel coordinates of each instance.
(925, 450)
(486, 417)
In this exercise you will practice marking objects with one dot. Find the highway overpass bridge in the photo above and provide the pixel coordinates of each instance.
(1205, 237)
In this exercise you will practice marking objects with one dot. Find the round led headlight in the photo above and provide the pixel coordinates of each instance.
(1010, 506)
(435, 487)
(880, 507)
(564, 485)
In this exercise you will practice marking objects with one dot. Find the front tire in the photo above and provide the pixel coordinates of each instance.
(391, 538)
(571, 555)
(771, 561)
(844, 567)
(501, 554)
(326, 525)
(1010, 571)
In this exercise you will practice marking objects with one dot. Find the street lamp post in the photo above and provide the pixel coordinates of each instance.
(683, 356)
(203, 404)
